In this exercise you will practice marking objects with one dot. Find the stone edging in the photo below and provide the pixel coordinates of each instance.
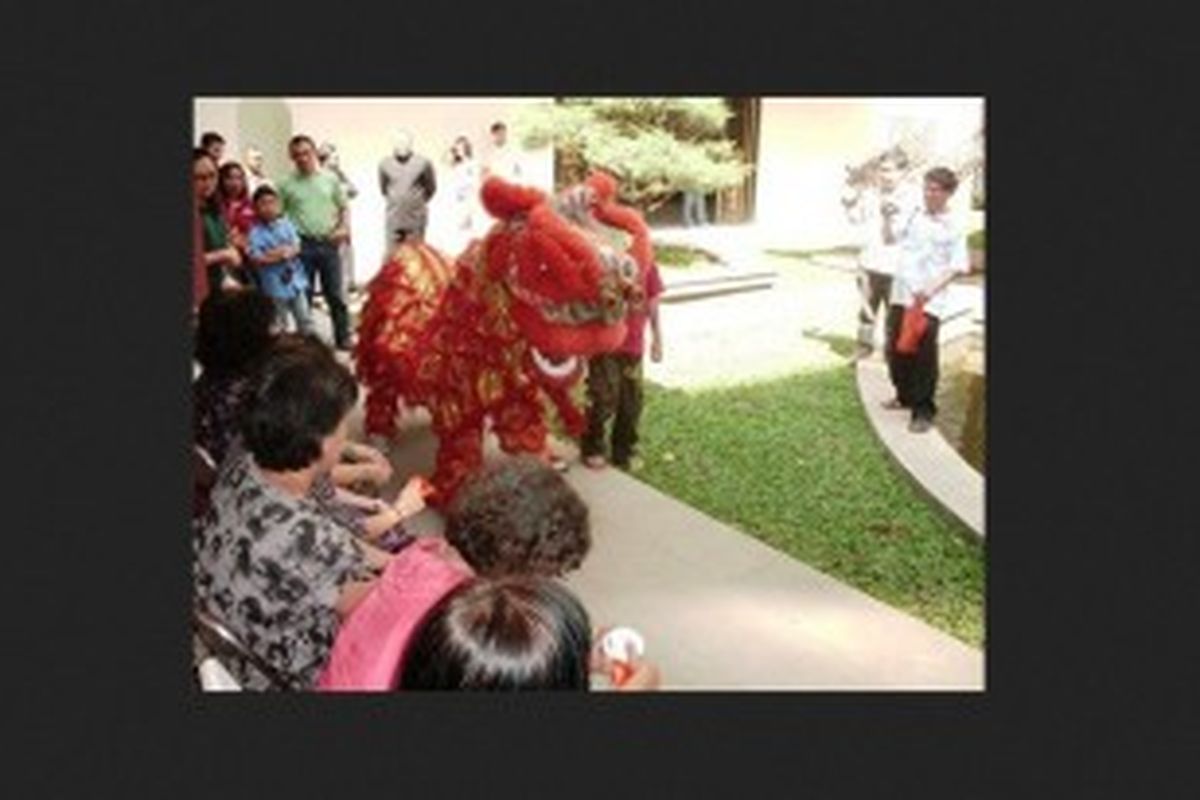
(937, 469)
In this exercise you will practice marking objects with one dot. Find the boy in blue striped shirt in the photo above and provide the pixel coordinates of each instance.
(274, 248)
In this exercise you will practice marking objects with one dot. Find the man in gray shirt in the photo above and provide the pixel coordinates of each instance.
(407, 181)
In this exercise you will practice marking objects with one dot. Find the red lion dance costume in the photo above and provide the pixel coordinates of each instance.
(504, 327)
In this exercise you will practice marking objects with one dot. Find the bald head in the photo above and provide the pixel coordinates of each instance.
(402, 144)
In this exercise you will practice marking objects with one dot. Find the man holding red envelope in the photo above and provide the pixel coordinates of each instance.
(933, 252)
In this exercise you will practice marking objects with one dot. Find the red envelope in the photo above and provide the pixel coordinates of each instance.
(912, 329)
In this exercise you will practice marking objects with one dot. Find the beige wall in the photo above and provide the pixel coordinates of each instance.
(363, 129)
(806, 142)
(804, 145)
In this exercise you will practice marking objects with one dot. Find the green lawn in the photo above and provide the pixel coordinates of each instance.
(844, 250)
(793, 462)
(682, 256)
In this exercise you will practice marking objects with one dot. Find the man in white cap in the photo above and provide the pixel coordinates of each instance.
(408, 183)
(881, 212)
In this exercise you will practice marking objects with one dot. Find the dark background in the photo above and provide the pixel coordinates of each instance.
(1091, 421)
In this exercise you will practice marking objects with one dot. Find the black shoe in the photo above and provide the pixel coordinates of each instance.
(920, 424)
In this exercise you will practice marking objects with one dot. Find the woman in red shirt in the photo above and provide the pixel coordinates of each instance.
(237, 208)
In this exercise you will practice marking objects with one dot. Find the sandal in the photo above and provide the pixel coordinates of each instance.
(595, 462)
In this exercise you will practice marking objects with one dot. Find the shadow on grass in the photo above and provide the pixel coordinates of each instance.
(793, 462)
(844, 250)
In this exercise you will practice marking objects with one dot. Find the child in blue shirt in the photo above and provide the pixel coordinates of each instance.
(274, 248)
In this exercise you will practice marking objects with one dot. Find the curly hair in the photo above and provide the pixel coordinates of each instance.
(507, 634)
(519, 517)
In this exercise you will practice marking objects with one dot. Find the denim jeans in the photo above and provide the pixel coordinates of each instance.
(874, 289)
(297, 308)
(320, 258)
(694, 212)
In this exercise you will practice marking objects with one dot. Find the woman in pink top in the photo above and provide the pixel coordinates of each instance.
(236, 207)
(517, 517)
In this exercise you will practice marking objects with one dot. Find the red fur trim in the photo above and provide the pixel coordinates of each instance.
(603, 184)
(567, 250)
(630, 221)
(505, 200)
(610, 212)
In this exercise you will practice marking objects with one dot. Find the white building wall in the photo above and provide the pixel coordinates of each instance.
(363, 128)
(806, 143)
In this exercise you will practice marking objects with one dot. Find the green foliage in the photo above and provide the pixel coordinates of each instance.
(794, 463)
(678, 255)
(975, 240)
(840, 250)
(657, 146)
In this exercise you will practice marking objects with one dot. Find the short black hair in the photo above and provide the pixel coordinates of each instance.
(234, 330)
(944, 177)
(298, 397)
(199, 153)
(211, 138)
(519, 516)
(299, 138)
(498, 126)
(509, 634)
(263, 191)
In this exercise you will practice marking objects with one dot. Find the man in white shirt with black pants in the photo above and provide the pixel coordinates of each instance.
(933, 253)
(880, 214)
(502, 161)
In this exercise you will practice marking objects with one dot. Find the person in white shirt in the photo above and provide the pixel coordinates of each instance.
(879, 214)
(933, 252)
(502, 162)
(256, 175)
(470, 219)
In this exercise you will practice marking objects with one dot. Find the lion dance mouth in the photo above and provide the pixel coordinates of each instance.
(501, 332)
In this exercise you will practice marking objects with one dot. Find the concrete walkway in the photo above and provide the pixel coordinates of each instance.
(720, 610)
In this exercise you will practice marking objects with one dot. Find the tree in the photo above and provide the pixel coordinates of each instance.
(911, 143)
(656, 146)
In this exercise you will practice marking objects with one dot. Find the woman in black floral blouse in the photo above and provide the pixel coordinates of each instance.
(234, 332)
(271, 562)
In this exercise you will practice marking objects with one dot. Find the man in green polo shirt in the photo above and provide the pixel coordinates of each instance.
(316, 204)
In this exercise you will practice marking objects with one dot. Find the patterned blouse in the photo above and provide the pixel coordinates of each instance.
(215, 408)
(271, 566)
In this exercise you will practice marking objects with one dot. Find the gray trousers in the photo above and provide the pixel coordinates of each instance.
(874, 290)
